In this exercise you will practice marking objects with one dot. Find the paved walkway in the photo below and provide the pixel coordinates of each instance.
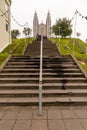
(54, 118)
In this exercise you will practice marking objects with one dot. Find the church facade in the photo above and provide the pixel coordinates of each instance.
(5, 23)
(42, 29)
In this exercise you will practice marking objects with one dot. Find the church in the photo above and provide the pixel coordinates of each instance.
(42, 29)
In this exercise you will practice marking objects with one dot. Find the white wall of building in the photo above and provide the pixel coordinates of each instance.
(5, 31)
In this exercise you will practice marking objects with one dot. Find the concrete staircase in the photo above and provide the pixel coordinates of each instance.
(63, 81)
(33, 50)
(49, 49)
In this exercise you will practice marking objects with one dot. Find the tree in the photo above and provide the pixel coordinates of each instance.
(27, 31)
(62, 27)
(78, 34)
(15, 33)
(86, 40)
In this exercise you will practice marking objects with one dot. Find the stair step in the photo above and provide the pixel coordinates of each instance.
(23, 64)
(46, 101)
(19, 79)
(8, 86)
(49, 86)
(45, 93)
(37, 73)
(18, 74)
(51, 68)
(64, 80)
(20, 70)
(46, 79)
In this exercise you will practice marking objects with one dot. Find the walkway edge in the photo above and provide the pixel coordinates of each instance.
(79, 66)
(5, 62)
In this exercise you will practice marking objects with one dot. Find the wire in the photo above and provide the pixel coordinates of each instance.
(18, 23)
(77, 12)
(3, 13)
(6, 18)
(74, 15)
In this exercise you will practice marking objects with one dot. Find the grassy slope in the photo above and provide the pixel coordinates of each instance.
(3, 57)
(17, 48)
(66, 47)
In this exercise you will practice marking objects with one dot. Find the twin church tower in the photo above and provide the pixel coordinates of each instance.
(42, 29)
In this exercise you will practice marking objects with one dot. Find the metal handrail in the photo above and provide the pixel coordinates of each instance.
(40, 78)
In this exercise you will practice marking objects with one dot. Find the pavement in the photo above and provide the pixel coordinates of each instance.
(53, 118)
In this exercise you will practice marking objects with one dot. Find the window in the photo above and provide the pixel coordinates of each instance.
(7, 26)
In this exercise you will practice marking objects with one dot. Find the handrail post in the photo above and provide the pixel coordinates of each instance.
(40, 78)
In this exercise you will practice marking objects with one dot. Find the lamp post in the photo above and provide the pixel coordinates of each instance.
(74, 32)
(59, 34)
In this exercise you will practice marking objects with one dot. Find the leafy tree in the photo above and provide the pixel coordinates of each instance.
(62, 27)
(15, 33)
(78, 34)
(86, 40)
(27, 31)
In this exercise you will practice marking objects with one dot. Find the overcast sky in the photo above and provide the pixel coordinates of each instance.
(23, 11)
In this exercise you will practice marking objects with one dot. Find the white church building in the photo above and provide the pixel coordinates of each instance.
(42, 29)
(5, 23)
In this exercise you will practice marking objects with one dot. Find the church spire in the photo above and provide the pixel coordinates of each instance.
(35, 24)
(48, 24)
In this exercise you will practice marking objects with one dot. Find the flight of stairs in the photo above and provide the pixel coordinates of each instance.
(63, 81)
(33, 50)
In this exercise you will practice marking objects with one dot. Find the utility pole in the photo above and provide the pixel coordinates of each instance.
(59, 34)
(74, 32)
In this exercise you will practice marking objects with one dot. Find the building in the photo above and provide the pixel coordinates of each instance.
(5, 23)
(42, 29)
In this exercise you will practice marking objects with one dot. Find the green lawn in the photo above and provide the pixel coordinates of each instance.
(65, 47)
(68, 46)
(3, 57)
(17, 48)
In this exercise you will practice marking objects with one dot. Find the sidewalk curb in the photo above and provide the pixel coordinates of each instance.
(5, 62)
(82, 70)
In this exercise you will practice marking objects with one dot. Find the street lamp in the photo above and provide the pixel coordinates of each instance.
(59, 34)
(74, 31)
